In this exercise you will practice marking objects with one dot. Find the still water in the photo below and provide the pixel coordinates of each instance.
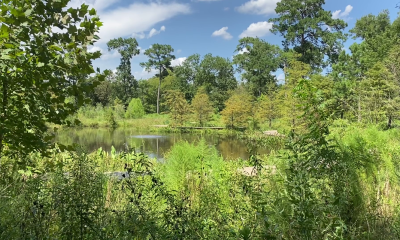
(155, 145)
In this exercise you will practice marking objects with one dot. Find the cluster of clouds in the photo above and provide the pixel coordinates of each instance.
(151, 33)
(137, 19)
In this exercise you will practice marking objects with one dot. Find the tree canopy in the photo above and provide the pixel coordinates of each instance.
(310, 30)
(160, 57)
(37, 63)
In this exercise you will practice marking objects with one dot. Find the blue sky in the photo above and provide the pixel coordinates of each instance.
(202, 26)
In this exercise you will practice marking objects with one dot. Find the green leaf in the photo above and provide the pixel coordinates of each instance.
(92, 12)
(28, 12)
(4, 31)
(55, 47)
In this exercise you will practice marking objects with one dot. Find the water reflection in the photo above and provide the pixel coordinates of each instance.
(155, 146)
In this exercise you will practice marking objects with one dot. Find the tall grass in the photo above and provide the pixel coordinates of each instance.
(195, 194)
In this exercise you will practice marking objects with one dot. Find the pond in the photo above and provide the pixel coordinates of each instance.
(155, 145)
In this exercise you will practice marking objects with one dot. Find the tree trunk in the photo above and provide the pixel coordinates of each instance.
(158, 94)
(270, 123)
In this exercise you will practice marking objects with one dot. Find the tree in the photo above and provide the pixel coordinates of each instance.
(103, 93)
(238, 109)
(148, 94)
(135, 109)
(160, 58)
(186, 74)
(268, 108)
(128, 48)
(310, 30)
(216, 74)
(202, 106)
(378, 36)
(35, 62)
(381, 95)
(258, 59)
(289, 110)
(178, 106)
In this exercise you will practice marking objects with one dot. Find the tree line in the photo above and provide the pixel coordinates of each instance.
(359, 84)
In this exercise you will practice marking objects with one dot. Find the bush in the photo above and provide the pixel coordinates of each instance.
(135, 109)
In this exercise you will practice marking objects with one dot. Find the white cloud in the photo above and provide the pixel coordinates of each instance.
(153, 31)
(178, 61)
(222, 33)
(259, 29)
(339, 14)
(108, 55)
(94, 49)
(260, 7)
(137, 18)
(145, 74)
(104, 54)
(205, 0)
(139, 35)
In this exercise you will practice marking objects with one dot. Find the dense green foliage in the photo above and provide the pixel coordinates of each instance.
(41, 68)
(135, 109)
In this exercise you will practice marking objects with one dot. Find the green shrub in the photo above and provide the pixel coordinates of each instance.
(135, 109)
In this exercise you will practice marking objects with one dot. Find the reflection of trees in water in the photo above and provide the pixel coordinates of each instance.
(232, 149)
(92, 139)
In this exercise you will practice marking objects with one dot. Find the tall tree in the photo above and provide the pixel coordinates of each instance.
(289, 110)
(217, 75)
(160, 57)
(186, 75)
(377, 38)
(310, 30)
(380, 95)
(35, 62)
(128, 48)
(257, 59)
(267, 108)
